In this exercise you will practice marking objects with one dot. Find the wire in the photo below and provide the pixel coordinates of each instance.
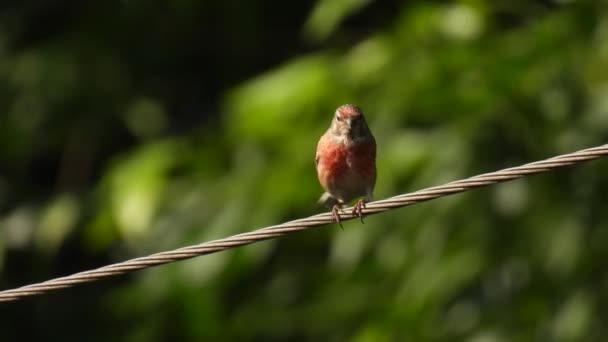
(272, 232)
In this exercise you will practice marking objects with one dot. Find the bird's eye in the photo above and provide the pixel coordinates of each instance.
(338, 117)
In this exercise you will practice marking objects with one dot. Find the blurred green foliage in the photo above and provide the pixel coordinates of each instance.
(129, 127)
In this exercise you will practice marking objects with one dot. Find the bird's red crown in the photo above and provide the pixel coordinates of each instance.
(348, 111)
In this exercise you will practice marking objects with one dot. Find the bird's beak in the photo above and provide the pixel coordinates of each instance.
(349, 123)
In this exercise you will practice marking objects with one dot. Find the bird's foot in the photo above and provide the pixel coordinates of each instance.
(358, 209)
(335, 212)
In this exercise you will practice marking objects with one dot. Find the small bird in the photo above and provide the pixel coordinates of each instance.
(346, 161)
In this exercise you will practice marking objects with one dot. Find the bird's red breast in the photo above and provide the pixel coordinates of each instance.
(346, 169)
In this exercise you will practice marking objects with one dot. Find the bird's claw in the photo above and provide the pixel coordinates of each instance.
(336, 215)
(358, 209)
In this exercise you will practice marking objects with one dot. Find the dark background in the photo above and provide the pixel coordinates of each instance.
(131, 127)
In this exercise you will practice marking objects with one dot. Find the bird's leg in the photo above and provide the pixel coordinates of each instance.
(358, 209)
(335, 212)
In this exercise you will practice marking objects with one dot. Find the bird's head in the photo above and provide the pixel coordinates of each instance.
(349, 122)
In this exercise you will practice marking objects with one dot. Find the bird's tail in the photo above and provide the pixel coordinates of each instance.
(327, 200)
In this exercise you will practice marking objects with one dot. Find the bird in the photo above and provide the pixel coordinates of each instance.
(346, 162)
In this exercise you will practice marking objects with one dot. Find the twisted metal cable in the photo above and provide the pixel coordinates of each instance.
(302, 224)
